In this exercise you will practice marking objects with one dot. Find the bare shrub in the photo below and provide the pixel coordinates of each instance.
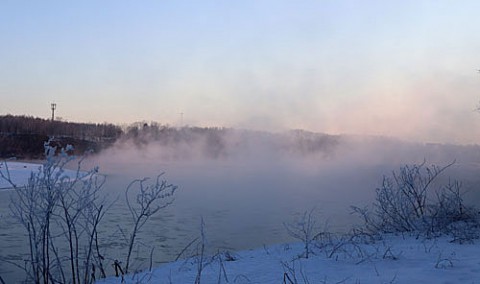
(200, 255)
(295, 274)
(196, 254)
(411, 201)
(149, 199)
(304, 229)
(61, 214)
(319, 239)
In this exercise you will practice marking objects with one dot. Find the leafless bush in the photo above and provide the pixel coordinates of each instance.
(295, 274)
(340, 245)
(61, 214)
(149, 199)
(289, 273)
(303, 229)
(199, 255)
(196, 254)
(319, 239)
(411, 201)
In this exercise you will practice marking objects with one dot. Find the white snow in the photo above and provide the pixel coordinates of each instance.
(394, 259)
(20, 172)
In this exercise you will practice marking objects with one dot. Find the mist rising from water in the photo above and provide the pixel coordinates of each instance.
(296, 165)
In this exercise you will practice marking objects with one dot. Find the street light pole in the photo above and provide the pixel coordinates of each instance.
(54, 106)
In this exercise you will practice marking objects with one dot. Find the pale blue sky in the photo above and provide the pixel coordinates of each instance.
(397, 68)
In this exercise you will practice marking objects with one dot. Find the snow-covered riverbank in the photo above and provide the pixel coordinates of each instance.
(19, 172)
(394, 259)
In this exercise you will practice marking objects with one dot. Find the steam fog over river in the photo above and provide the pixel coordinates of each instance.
(245, 200)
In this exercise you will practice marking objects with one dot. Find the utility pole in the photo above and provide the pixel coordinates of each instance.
(54, 107)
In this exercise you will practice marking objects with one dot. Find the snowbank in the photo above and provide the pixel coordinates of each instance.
(20, 172)
(395, 259)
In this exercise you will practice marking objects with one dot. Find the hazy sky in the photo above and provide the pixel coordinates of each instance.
(397, 68)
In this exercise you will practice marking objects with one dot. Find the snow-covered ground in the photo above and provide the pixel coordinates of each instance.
(394, 259)
(20, 172)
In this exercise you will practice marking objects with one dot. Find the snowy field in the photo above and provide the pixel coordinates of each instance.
(394, 259)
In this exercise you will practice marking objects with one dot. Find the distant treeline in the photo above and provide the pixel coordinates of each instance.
(10, 124)
(215, 142)
(23, 137)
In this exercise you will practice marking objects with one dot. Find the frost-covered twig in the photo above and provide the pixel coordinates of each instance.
(201, 254)
(149, 199)
(55, 208)
(303, 229)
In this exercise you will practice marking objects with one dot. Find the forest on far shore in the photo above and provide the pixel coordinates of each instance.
(23, 137)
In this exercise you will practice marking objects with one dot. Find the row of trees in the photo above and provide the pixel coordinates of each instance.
(23, 137)
(23, 125)
(215, 142)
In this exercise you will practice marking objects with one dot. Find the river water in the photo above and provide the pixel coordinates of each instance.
(243, 205)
